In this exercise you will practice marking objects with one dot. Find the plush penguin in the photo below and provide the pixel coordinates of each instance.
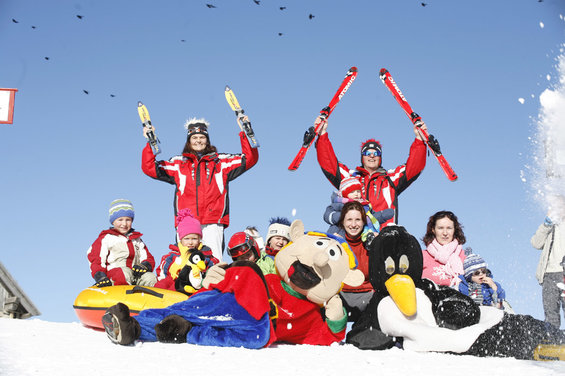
(190, 277)
(418, 315)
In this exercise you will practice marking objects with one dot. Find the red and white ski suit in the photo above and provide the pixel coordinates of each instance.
(202, 184)
(380, 188)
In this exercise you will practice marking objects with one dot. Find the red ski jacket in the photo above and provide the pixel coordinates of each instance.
(113, 250)
(202, 184)
(380, 188)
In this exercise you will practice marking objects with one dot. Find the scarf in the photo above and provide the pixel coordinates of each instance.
(448, 255)
(270, 251)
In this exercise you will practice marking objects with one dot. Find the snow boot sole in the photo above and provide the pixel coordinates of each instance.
(173, 329)
(120, 327)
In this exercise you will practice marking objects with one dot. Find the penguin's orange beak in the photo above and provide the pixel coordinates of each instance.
(403, 292)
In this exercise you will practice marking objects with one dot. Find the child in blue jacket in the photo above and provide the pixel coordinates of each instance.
(477, 283)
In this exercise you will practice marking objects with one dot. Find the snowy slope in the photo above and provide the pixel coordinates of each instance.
(35, 347)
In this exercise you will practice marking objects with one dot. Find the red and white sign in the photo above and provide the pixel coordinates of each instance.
(7, 98)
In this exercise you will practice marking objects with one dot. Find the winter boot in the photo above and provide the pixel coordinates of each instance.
(549, 352)
(173, 329)
(120, 327)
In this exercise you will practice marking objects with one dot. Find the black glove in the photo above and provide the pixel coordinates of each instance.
(369, 237)
(102, 280)
(140, 269)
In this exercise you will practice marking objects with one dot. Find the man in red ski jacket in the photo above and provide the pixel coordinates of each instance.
(380, 187)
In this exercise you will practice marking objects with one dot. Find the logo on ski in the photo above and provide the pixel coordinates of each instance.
(146, 122)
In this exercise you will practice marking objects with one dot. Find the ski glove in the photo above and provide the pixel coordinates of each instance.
(215, 274)
(140, 269)
(102, 280)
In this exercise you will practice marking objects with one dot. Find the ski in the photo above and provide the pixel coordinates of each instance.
(431, 141)
(312, 132)
(244, 125)
(146, 121)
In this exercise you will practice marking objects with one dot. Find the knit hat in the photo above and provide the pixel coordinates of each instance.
(473, 262)
(120, 208)
(371, 144)
(186, 224)
(197, 126)
(240, 243)
(279, 226)
(349, 185)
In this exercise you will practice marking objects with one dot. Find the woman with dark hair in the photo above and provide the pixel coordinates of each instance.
(201, 176)
(444, 255)
(353, 220)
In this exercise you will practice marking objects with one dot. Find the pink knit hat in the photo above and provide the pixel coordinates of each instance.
(349, 185)
(186, 224)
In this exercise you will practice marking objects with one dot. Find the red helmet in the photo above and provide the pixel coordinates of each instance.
(240, 243)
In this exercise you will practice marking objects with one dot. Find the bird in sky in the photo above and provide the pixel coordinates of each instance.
(46, 57)
(311, 16)
(85, 91)
(79, 16)
(15, 21)
(280, 34)
(257, 1)
(112, 95)
(210, 6)
(282, 8)
(423, 4)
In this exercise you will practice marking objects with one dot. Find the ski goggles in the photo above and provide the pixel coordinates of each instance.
(480, 271)
(372, 153)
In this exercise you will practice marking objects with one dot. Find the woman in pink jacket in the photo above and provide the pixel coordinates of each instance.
(444, 255)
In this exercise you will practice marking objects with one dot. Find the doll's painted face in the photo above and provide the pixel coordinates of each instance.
(315, 265)
(191, 241)
(122, 224)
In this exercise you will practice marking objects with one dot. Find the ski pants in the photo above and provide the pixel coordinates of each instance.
(552, 300)
(213, 237)
(124, 276)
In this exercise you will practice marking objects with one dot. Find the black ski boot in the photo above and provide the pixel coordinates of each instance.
(173, 329)
(120, 327)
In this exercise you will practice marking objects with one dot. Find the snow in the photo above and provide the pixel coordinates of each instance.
(36, 347)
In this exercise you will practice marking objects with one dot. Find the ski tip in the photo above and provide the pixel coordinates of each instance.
(139, 104)
(383, 71)
(227, 88)
(353, 69)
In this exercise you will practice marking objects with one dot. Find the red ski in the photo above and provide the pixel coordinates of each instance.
(431, 141)
(312, 132)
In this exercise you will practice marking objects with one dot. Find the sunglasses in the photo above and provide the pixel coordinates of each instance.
(479, 272)
(369, 153)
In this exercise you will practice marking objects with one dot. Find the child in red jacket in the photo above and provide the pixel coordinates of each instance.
(118, 256)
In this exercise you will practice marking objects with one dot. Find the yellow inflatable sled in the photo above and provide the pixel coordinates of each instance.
(91, 304)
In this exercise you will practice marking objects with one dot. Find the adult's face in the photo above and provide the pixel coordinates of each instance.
(353, 223)
(198, 142)
(444, 230)
(371, 161)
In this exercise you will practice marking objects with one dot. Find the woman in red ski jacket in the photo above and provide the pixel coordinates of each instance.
(201, 176)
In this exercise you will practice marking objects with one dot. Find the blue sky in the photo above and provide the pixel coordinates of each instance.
(462, 66)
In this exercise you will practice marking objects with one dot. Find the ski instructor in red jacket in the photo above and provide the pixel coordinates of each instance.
(380, 187)
(201, 176)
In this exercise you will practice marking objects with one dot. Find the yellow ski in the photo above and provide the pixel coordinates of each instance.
(244, 125)
(146, 121)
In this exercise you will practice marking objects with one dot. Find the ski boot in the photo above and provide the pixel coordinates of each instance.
(120, 327)
(173, 329)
